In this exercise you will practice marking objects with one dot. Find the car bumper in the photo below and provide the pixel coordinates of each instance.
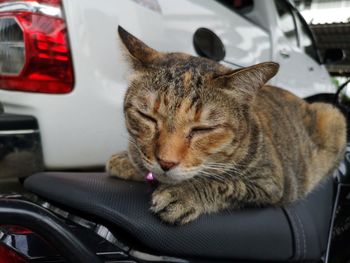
(20, 146)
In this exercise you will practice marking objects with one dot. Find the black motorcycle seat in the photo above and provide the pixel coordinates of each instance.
(298, 232)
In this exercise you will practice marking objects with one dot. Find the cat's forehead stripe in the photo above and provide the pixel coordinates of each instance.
(156, 105)
(187, 76)
(194, 101)
(198, 114)
(165, 100)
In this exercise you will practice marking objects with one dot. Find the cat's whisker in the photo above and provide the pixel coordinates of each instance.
(220, 164)
(221, 168)
(216, 173)
(212, 176)
(233, 166)
(229, 171)
(137, 148)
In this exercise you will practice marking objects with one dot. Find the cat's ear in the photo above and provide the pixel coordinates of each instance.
(138, 53)
(244, 83)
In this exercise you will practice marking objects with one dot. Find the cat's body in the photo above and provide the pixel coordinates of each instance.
(304, 141)
(218, 138)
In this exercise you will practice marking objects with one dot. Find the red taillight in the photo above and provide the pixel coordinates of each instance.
(16, 230)
(7, 255)
(34, 51)
(48, 2)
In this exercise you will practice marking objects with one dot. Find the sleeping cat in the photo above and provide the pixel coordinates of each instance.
(218, 138)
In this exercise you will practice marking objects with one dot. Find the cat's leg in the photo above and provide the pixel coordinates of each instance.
(176, 204)
(182, 203)
(119, 165)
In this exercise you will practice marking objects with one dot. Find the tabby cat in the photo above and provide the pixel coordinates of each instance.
(218, 138)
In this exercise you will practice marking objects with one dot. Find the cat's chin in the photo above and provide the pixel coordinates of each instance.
(170, 179)
(165, 179)
(174, 176)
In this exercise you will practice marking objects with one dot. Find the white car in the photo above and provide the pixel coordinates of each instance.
(62, 74)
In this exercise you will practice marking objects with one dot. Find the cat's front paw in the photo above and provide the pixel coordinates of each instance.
(175, 205)
(119, 165)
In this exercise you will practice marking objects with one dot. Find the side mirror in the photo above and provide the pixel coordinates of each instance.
(208, 44)
(333, 55)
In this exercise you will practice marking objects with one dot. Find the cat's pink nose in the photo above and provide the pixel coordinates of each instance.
(166, 165)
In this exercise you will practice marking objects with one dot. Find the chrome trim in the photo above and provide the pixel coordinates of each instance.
(11, 196)
(119, 254)
(13, 44)
(98, 229)
(104, 233)
(33, 7)
(152, 258)
(16, 132)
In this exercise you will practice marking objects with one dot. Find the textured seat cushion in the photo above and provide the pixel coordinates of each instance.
(296, 232)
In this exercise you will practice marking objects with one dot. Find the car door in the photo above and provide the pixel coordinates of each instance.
(245, 42)
(300, 70)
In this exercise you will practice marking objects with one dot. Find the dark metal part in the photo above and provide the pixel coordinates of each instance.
(29, 245)
(339, 239)
(123, 251)
(208, 44)
(103, 232)
(10, 122)
(98, 237)
(48, 226)
(20, 146)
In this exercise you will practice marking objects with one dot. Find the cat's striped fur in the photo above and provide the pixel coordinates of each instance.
(217, 138)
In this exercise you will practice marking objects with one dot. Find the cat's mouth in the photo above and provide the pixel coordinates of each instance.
(163, 178)
(173, 176)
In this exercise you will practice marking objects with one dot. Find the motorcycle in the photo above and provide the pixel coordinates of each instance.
(88, 217)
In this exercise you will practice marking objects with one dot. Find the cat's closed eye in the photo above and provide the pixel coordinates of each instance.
(147, 117)
(201, 130)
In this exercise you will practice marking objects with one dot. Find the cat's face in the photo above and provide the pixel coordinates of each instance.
(181, 114)
(178, 123)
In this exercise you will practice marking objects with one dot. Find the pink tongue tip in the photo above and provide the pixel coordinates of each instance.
(149, 177)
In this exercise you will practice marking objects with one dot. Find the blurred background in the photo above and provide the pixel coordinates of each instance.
(329, 21)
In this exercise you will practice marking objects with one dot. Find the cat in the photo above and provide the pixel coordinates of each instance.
(217, 138)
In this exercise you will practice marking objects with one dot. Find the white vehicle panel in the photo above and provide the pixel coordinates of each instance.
(83, 128)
